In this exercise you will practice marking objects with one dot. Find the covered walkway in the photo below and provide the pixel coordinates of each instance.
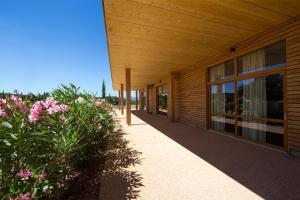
(183, 162)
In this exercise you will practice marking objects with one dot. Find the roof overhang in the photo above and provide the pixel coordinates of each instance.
(155, 37)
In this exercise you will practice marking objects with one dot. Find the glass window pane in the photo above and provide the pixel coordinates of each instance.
(275, 96)
(268, 132)
(222, 98)
(226, 124)
(217, 72)
(162, 95)
(222, 71)
(261, 59)
(261, 97)
(228, 91)
(275, 55)
(229, 68)
(214, 98)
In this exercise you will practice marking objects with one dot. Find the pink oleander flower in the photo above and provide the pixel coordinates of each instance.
(2, 101)
(18, 102)
(53, 109)
(64, 107)
(22, 197)
(62, 118)
(3, 113)
(50, 103)
(22, 108)
(14, 98)
(42, 176)
(98, 104)
(36, 111)
(24, 174)
(57, 108)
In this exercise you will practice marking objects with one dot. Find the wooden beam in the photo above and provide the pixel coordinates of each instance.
(128, 96)
(121, 100)
(136, 100)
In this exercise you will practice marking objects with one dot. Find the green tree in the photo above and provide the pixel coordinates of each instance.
(103, 89)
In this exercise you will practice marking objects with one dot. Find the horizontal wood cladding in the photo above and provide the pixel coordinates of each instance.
(191, 98)
(293, 87)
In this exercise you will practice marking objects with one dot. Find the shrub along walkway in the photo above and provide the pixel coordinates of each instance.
(172, 161)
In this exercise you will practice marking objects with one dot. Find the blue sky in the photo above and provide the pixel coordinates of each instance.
(47, 42)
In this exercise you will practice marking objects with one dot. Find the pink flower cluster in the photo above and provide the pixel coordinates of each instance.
(7, 105)
(62, 118)
(18, 103)
(2, 101)
(53, 107)
(100, 103)
(22, 197)
(42, 176)
(50, 106)
(24, 174)
(3, 113)
(2, 110)
(36, 111)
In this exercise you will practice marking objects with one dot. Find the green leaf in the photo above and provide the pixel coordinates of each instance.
(34, 192)
(37, 133)
(45, 188)
(13, 136)
(7, 125)
(7, 142)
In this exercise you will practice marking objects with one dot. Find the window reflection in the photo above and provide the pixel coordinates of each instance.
(266, 58)
(222, 71)
(261, 97)
(222, 123)
(222, 98)
(162, 96)
(268, 132)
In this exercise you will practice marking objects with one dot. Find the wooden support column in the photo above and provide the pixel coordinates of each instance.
(151, 98)
(171, 96)
(141, 97)
(121, 99)
(128, 96)
(140, 100)
(148, 99)
(155, 100)
(136, 100)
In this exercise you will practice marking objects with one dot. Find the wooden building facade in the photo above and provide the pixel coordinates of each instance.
(228, 66)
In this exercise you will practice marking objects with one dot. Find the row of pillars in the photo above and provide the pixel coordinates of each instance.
(140, 97)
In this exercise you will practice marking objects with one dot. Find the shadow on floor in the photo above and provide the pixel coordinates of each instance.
(270, 174)
(118, 182)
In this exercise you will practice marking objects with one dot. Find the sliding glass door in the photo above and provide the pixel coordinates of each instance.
(247, 95)
(261, 109)
(222, 107)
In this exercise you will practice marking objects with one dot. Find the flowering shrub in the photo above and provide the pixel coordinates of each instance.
(42, 142)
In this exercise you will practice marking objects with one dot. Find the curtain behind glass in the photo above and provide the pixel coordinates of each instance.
(254, 100)
(254, 61)
(217, 72)
(217, 99)
(218, 105)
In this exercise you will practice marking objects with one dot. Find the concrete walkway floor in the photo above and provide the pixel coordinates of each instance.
(173, 161)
